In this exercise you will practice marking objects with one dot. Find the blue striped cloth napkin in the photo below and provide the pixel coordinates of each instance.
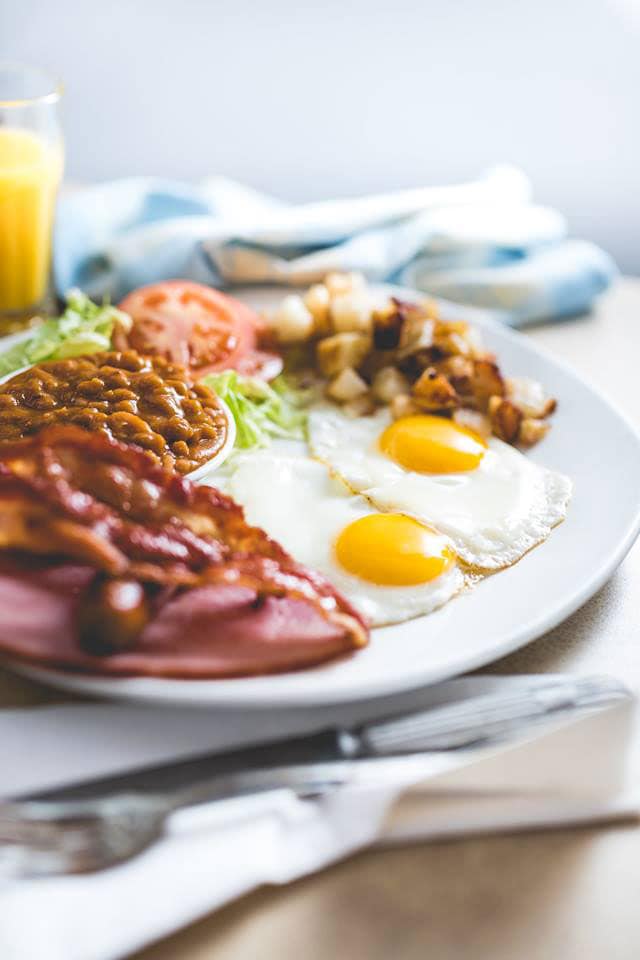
(482, 243)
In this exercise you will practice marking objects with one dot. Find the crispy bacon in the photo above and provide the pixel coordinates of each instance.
(162, 552)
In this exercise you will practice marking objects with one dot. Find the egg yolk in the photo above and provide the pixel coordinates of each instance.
(392, 550)
(427, 444)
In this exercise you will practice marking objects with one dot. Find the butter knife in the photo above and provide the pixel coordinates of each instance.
(96, 824)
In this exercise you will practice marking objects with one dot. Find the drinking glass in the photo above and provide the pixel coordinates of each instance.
(31, 163)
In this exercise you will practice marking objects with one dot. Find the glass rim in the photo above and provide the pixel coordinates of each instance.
(51, 95)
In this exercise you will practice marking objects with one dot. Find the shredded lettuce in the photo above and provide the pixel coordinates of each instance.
(84, 327)
(262, 410)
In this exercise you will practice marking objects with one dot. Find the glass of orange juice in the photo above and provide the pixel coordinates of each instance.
(31, 163)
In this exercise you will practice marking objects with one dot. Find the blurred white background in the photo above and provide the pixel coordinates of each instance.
(347, 96)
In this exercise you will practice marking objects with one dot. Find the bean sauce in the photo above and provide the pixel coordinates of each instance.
(143, 400)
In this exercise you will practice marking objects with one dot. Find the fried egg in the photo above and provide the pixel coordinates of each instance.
(388, 565)
(491, 501)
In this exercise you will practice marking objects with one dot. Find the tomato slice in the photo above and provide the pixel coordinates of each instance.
(194, 325)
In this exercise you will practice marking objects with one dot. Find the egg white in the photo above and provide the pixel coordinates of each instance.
(299, 504)
(493, 514)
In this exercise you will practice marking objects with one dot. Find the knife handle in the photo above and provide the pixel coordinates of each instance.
(325, 747)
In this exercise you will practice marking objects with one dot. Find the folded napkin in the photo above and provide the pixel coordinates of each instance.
(482, 243)
(215, 853)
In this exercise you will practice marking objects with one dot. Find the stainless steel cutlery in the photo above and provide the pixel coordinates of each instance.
(97, 824)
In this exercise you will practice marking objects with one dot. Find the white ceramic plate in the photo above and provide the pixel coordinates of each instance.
(593, 444)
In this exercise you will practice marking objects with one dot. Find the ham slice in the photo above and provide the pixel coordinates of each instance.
(210, 631)
(37, 608)
(79, 512)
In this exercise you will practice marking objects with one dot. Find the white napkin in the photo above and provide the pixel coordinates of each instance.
(213, 854)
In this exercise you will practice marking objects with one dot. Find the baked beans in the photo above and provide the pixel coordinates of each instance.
(143, 400)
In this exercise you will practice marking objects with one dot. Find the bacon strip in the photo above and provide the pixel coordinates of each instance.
(188, 587)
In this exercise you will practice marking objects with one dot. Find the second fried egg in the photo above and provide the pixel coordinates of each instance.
(491, 501)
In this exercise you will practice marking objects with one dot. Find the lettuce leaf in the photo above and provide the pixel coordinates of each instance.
(84, 327)
(262, 410)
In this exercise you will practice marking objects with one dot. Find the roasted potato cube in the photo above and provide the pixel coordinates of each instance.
(347, 386)
(450, 336)
(340, 351)
(456, 367)
(529, 396)
(361, 406)
(403, 406)
(473, 336)
(338, 283)
(292, 322)
(457, 338)
(432, 391)
(532, 430)
(459, 373)
(430, 308)
(451, 344)
(387, 327)
(375, 361)
(487, 382)
(351, 312)
(317, 302)
(473, 420)
(416, 335)
(415, 365)
(388, 383)
(505, 419)
(444, 327)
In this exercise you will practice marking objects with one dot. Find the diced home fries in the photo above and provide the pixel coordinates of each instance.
(375, 351)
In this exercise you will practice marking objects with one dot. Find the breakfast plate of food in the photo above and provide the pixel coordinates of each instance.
(294, 499)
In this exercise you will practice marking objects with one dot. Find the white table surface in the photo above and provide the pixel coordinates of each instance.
(564, 894)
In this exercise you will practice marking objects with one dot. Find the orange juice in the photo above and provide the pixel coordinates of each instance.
(30, 171)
